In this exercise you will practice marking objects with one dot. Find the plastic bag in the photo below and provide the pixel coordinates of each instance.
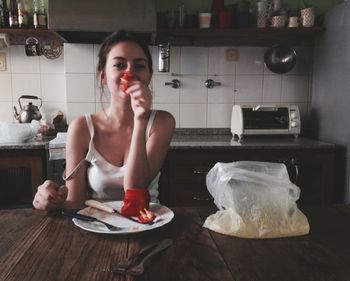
(18, 132)
(255, 199)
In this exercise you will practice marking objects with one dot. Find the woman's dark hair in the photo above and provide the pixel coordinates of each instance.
(115, 38)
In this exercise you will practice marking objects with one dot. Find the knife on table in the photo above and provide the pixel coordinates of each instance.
(100, 206)
(88, 218)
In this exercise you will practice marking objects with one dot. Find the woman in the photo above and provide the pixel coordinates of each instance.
(120, 149)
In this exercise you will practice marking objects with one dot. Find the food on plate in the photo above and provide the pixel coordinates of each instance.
(135, 200)
(146, 216)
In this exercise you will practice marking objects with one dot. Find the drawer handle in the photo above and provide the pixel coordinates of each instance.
(292, 162)
(195, 198)
(199, 172)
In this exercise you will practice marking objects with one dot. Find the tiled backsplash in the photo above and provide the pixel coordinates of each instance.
(69, 83)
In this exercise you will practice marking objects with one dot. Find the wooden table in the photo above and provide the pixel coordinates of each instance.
(37, 246)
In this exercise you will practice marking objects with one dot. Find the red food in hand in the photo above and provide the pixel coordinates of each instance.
(135, 200)
(127, 76)
(146, 216)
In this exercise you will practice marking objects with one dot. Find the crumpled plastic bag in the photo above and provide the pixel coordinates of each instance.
(18, 132)
(255, 200)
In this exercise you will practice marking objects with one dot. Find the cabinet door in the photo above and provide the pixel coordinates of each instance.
(21, 172)
(183, 180)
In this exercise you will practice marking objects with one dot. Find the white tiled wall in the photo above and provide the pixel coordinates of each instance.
(69, 83)
(36, 76)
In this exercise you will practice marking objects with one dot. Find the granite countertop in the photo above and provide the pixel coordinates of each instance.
(222, 138)
(32, 144)
(196, 138)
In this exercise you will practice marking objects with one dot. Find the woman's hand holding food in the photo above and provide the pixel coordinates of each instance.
(141, 97)
(50, 196)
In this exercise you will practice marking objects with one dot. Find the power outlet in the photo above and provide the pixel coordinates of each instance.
(232, 54)
(2, 62)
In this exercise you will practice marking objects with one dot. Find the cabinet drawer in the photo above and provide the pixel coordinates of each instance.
(181, 175)
(185, 195)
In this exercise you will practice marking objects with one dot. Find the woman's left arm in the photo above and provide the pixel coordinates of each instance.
(146, 158)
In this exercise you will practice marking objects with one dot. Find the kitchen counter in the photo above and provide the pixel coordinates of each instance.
(191, 155)
(226, 141)
(33, 144)
(197, 138)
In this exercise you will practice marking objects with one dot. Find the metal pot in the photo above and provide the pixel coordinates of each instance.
(280, 59)
(29, 112)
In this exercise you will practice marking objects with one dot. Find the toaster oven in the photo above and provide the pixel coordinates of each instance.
(265, 120)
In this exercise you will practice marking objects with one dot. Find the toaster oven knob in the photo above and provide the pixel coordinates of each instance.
(293, 115)
(293, 124)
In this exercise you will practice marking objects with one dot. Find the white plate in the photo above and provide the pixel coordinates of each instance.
(164, 216)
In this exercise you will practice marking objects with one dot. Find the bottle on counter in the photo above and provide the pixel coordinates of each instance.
(39, 14)
(22, 15)
(4, 14)
(13, 14)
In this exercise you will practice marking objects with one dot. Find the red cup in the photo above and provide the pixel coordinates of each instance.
(217, 6)
(225, 19)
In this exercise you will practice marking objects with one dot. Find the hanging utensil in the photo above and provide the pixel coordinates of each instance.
(280, 59)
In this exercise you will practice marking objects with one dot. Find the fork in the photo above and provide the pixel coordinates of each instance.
(88, 218)
(129, 262)
(140, 268)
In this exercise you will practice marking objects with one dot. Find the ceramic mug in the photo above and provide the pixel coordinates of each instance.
(32, 47)
(262, 6)
(307, 17)
(225, 19)
(261, 20)
(293, 22)
(278, 21)
(204, 20)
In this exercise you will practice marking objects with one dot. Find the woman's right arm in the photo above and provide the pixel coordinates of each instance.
(73, 195)
(78, 139)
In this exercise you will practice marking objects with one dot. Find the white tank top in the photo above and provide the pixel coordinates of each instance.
(105, 179)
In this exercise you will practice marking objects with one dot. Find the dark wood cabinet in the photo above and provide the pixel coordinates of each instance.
(21, 172)
(183, 179)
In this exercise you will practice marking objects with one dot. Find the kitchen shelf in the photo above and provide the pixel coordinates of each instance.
(46, 37)
(239, 36)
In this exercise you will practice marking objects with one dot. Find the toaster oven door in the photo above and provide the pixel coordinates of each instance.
(266, 119)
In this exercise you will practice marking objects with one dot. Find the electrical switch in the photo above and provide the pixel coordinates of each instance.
(2, 62)
(232, 54)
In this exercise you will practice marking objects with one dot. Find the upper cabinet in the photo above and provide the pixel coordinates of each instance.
(88, 20)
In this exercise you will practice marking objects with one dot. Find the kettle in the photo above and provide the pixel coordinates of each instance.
(29, 112)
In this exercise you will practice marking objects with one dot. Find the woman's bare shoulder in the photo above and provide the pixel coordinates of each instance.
(78, 131)
(165, 118)
(164, 123)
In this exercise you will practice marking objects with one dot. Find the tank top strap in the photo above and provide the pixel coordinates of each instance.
(150, 123)
(90, 125)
